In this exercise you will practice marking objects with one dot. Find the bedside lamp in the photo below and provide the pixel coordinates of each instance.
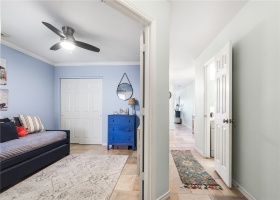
(131, 101)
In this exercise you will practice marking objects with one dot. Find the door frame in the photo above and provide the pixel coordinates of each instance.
(207, 140)
(149, 93)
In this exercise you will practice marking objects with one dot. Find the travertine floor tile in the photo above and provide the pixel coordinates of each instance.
(129, 169)
(125, 195)
(125, 182)
(204, 191)
(173, 196)
(193, 197)
(228, 191)
(131, 160)
(136, 186)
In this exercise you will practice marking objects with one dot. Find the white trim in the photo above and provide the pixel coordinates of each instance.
(165, 196)
(78, 64)
(130, 11)
(26, 52)
(242, 190)
(150, 94)
(73, 64)
(104, 144)
(199, 151)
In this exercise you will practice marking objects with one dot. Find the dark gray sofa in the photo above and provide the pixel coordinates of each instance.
(20, 166)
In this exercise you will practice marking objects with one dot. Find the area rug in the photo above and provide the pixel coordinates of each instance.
(191, 172)
(75, 177)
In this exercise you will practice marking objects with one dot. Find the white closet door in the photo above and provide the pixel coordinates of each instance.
(81, 110)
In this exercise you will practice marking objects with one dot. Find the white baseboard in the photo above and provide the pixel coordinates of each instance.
(165, 196)
(199, 151)
(243, 191)
(104, 144)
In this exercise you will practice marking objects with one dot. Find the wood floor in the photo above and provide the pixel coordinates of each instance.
(127, 187)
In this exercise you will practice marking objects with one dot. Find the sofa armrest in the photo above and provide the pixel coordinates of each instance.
(66, 131)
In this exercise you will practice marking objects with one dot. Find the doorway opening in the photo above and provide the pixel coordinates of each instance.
(210, 107)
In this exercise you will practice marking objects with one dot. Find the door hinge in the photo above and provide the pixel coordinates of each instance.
(142, 175)
(142, 111)
(143, 48)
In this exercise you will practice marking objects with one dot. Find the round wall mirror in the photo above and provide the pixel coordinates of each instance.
(124, 91)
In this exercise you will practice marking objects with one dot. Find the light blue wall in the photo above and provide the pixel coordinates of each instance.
(31, 86)
(111, 76)
(255, 36)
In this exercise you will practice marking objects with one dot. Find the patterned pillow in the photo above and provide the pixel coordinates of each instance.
(33, 124)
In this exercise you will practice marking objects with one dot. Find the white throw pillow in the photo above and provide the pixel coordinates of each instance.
(33, 124)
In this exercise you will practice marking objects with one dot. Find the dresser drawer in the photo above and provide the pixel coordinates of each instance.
(118, 119)
(120, 129)
(121, 138)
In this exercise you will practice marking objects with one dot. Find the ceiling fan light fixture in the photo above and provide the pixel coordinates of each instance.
(68, 45)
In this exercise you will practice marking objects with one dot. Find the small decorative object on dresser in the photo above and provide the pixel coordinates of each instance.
(122, 130)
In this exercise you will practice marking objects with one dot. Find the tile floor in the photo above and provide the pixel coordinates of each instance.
(127, 187)
(181, 138)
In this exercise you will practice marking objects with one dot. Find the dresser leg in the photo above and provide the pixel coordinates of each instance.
(107, 147)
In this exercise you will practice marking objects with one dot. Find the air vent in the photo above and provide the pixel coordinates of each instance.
(4, 35)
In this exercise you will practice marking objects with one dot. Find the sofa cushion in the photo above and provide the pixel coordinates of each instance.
(33, 124)
(29, 143)
(8, 131)
(5, 120)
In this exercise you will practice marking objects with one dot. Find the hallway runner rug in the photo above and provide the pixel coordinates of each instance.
(191, 172)
(75, 177)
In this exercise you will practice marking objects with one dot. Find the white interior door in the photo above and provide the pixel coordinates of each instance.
(223, 137)
(81, 110)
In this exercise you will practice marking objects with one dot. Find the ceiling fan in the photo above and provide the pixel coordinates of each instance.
(67, 39)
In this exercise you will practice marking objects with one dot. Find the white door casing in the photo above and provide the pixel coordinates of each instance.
(223, 129)
(81, 110)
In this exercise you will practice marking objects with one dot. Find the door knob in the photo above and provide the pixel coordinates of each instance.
(225, 121)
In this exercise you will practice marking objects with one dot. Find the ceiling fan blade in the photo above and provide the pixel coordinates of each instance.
(56, 46)
(51, 27)
(87, 46)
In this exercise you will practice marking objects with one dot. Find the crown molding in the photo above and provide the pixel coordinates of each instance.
(79, 64)
(26, 52)
(73, 64)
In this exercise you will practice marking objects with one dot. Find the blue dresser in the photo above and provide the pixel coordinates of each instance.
(122, 130)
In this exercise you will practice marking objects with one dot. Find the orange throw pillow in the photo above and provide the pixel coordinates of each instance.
(21, 131)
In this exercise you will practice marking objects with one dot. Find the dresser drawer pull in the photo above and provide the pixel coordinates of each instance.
(128, 139)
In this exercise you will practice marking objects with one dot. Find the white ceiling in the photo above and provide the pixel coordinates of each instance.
(94, 22)
(193, 25)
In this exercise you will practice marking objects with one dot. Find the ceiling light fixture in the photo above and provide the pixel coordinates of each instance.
(66, 44)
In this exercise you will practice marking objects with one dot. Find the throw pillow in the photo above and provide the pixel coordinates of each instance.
(33, 124)
(21, 131)
(8, 131)
(17, 121)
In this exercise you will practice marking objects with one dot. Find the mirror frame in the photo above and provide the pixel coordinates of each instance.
(131, 91)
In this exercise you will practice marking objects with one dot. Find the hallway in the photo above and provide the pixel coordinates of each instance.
(182, 138)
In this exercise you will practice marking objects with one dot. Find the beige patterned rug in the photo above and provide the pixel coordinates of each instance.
(77, 177)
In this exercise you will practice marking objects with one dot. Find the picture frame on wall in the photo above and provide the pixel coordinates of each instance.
(3, 71)
(4, 93)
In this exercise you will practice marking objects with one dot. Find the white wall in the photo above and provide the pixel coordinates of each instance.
(255, 35)
(187, 99)
(159, 10)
